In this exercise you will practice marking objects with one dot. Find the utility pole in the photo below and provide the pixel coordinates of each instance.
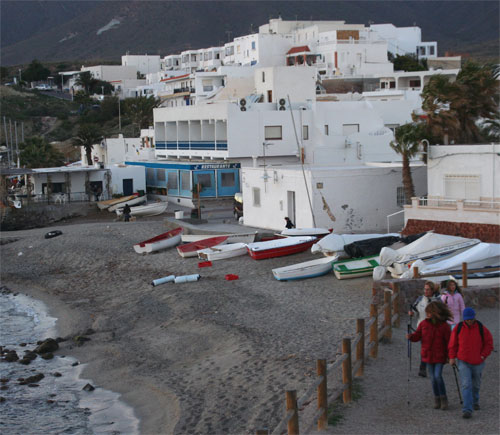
(6, 141)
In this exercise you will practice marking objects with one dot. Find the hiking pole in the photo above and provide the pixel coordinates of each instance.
(455, 369)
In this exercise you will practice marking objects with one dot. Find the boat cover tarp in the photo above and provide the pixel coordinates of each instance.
(365, 248)
(427, 243)
(336, 242)
(479, 256)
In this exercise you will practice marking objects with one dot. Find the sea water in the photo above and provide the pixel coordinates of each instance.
(58, 404)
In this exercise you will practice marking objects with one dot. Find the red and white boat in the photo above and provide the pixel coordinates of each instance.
(191, 249)
(280, 247)
(166, 240)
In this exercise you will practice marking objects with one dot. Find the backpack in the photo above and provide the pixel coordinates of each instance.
(481, 330)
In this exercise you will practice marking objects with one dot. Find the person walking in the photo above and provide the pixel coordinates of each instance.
(126, 213)
(470, 344)
(434, 332)
(453, 298)
(418, 307)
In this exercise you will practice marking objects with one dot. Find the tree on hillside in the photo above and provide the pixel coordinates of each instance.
(459, 108)
(408, 62)
(4, 74)
(87, 136)
(408, 138)
(36, 152)
(140, 110)
(85, 80)
(35, 72)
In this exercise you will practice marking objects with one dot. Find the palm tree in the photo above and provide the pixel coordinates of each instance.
(36, 152)
(408, 139)
(85, 80)
(87, 136)
(140, 110)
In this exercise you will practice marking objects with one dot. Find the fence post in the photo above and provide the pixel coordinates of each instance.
(415, 272)
(360, 347)
(347, 370)
(395, 303)
(291, 404)
(322, 393)
(374, 331)
(464, 275)
(387, 314)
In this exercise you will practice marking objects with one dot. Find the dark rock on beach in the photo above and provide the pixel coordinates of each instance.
(4, 387)
(48, 345)
(11, 356)
(4, 380)
(75, 364)
(2, 399)
(56, 374)
(32, 379)
(88, 387)
(80, 339)
(48, 355)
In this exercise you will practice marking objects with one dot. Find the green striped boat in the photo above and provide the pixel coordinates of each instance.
(355, 267)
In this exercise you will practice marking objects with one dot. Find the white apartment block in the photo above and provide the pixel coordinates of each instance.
(144, 64)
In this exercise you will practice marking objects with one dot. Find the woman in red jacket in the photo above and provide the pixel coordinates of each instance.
(434, 333)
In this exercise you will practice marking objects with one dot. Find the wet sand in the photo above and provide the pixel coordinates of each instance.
(212, 356)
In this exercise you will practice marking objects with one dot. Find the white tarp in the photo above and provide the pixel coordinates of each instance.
(336, 242)
(479, 256)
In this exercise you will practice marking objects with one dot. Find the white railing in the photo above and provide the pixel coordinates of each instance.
(454, 203)
(388, 219)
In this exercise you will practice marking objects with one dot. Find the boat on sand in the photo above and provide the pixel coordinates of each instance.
(231, 238)
(131, 202)
(221, 252)
(152, 209)
(307, 269)
(355, 267)
(163, 241)
(191, 249)
(103, 205)
(280, 247)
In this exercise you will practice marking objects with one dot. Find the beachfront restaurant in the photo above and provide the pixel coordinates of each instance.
(180, 181)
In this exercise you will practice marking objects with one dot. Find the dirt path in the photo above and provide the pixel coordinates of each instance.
(383, 406)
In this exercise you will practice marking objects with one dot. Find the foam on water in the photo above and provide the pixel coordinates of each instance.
(58, 404)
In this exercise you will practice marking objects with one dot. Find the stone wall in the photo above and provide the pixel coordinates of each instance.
(484, 232)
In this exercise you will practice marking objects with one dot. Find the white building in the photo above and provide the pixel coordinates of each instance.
(144, 64)
(463, 193)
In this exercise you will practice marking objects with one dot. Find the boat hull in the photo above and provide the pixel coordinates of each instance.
(222, 252)
(308, 269)
(103, 205)
(231, 238)
(131, 202)
(163, 241)
(279, 247)
(146, 210)
(191, 249)
(355, 267)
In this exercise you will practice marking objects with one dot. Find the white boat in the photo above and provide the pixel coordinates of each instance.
(431, 247)
(355, 267)
(477, 257)
(221, 252)
(153, 209)
(103, 205)
(333, 244)
(294, 232)
(131, 202)
(163, 241)
(489, 279)
(279, 247)
(308, 269)
(231, 238)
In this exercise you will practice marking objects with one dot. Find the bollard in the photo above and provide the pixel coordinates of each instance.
(291, 404)
(464, 275)
(374, 331)
(322, 393)
(360, 347)
(415, 272)
(387, 314)
(347, 370)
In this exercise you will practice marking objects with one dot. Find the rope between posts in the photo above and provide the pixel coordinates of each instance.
(309, 391)
(281, 426)
(337, 363)
(356, 339)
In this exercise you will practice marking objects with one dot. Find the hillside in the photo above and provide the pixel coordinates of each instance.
(86, 30)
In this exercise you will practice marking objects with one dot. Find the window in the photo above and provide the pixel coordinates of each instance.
(253, 45)
(400, 196)
(160, 174)
(305, 132)
(186, 180)
(415, 83)
(54, 188)
(462, 186)
(263, 77)
(172, 181)
(227, 179)
(273, 132)
(348, 129)
(326, 130)
(238, 49)
(256, 196)
(205, 180)
(150, 175)
(431, 50)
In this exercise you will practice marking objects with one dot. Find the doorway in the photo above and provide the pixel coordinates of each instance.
(290, 200)
(269, 96)
(128, 186)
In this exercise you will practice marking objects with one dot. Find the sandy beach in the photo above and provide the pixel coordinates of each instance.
(212, 356)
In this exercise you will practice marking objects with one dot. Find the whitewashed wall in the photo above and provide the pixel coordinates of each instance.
(119, 173)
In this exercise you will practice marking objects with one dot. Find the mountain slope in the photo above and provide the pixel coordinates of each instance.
(85, 30)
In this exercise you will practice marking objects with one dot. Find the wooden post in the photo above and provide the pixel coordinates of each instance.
(464, 275)
(322, 394)
(291, 404)
(388, 314)
(198, 188)
(374, 331)
(360, 347)
(395, 303)
(415, 272)
(347, 370)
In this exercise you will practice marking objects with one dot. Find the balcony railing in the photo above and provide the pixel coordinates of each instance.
(220, 145)
(450, 203)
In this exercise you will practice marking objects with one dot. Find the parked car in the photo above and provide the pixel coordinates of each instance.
(43, 87)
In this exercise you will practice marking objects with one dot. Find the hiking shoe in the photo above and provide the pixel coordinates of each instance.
(444, 402)
(467, 414)
(437, 402)
(422, 373)
(476, 407)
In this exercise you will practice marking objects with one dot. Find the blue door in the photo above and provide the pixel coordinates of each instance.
(228, 182)
(128, 186)
(185, 183)
(207, 181)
